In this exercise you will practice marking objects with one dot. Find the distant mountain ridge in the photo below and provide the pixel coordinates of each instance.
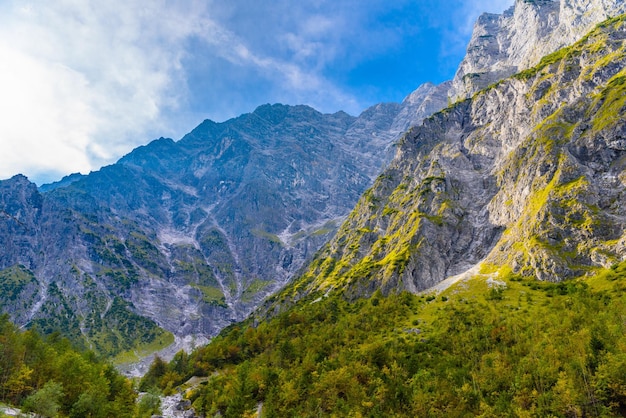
(189, 236)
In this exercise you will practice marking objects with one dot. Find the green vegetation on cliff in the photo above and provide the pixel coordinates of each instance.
(13, 280)
(494, 345)
(110, 329)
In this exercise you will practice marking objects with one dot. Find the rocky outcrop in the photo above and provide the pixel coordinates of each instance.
(502, 45)
(528, 176)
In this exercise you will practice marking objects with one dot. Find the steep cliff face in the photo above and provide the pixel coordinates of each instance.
(505, 44)
(190, 235)
(527, 175)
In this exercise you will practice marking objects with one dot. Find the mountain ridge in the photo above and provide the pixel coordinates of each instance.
(507, 43)
(190, 234)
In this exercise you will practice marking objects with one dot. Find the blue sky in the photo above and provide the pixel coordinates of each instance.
(86, 81)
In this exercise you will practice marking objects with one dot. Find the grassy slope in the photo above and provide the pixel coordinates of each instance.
(486, 346)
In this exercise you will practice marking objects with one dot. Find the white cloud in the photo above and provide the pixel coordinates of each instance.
(35, 108)
(84, 81)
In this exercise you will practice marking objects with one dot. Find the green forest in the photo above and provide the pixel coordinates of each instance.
(48, 377)
(496, 345)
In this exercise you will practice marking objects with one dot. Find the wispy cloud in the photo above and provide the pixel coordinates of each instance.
(292, 76)
(290, 46)
(85, 81)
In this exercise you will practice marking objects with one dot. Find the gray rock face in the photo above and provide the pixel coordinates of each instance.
(193, 234)
(528, 175)
(423, 102)
(505, 44)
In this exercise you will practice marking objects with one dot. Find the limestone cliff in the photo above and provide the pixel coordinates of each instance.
(528, 175)
(505, 44)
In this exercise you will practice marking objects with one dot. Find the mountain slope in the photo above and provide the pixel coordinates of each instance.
(527, 175)
(485, 347)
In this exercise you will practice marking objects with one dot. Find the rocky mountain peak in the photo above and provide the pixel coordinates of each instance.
(17, 197)
(18, 179)
(504, 44)
(423, 102)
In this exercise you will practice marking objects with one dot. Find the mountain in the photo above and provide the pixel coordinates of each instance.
(181, 238)
(527, 175)
(186, 237)
(483, 273)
